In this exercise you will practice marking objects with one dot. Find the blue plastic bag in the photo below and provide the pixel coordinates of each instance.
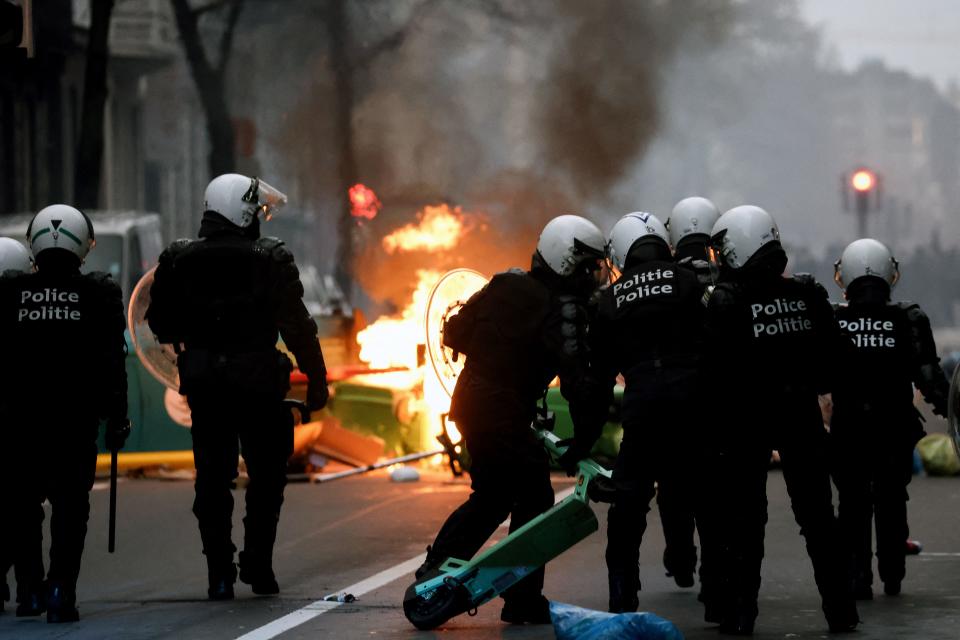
(577, 623)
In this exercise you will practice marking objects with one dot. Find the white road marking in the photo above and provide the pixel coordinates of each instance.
(314, 609)
(385, 577)
(941, 554)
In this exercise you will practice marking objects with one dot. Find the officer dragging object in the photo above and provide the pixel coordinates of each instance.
(518, 332)
(875, 425)
(222, 300)
(65, 328)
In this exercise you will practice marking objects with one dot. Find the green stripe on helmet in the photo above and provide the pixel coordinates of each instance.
(70, 235)
(39, 233)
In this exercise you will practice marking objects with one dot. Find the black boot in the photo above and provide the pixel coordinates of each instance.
(623, 592)
(258, 573)
(221, 577)
(841, 615)
(712, 611)
(526, 611)
(430, 567)
(739, 619)
(682, 573)
(31, 599)
(62, 603)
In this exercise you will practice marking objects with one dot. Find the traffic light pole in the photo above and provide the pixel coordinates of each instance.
(863, 206)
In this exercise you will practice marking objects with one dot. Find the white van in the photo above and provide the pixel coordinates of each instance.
(128, 243)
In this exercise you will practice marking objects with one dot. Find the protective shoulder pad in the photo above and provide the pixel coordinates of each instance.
(274, 248)
(808, 281)
(104, 281)
(175, 249)
(913, 312)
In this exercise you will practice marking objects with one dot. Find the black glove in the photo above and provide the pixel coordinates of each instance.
(575, 453)
(317, 394)
(117, 431)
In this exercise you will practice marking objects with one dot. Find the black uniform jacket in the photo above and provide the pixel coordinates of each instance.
(226, 297)
(518, 334)
(651, 318)
(65, 346)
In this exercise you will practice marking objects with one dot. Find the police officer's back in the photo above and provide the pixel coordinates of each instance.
(773, 338)
(225, 299)
(649, 327)
(64, 329)
(875, 424)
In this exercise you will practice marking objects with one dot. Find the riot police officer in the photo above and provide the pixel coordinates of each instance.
(649, 327)
(774, 337)
(223, 299)
(690, 224)
(66, 329)
(13, 257)
(875, 424)
(519, 332)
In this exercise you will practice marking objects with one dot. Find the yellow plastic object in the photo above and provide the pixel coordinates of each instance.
(938, 455)
(139, 460)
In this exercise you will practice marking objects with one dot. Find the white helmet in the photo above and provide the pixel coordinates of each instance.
(691, 216)
(566, 241)
(61, 226)
(740, 232)
(14, 256)
(865, 257)
(628, 230)
(240, 199)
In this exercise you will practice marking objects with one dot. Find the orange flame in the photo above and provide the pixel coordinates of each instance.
(394, 341)
(363, 202)
(439, 228)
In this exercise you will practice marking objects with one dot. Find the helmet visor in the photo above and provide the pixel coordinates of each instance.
(267, 198)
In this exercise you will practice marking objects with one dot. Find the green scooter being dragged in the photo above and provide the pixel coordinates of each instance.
(459, 586)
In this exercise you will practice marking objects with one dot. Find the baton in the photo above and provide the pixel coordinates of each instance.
(112, 527)
(317, 478)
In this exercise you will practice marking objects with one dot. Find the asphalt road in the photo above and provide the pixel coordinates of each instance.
(338, 535)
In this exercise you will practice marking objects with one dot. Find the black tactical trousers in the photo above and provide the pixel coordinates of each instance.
(510, 476)
(872, 474)
(656, 457)
(55, 463)
(225, 426)
(802, 443)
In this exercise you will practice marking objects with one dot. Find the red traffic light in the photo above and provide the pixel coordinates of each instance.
(863, 180)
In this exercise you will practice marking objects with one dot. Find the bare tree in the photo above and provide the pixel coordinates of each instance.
(348, 61)
(209, 77)
(90, 147)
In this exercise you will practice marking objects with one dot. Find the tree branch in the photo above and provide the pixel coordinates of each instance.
(396, 39)
(226, 41)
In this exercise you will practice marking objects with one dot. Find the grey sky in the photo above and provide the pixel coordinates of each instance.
(919, 36)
